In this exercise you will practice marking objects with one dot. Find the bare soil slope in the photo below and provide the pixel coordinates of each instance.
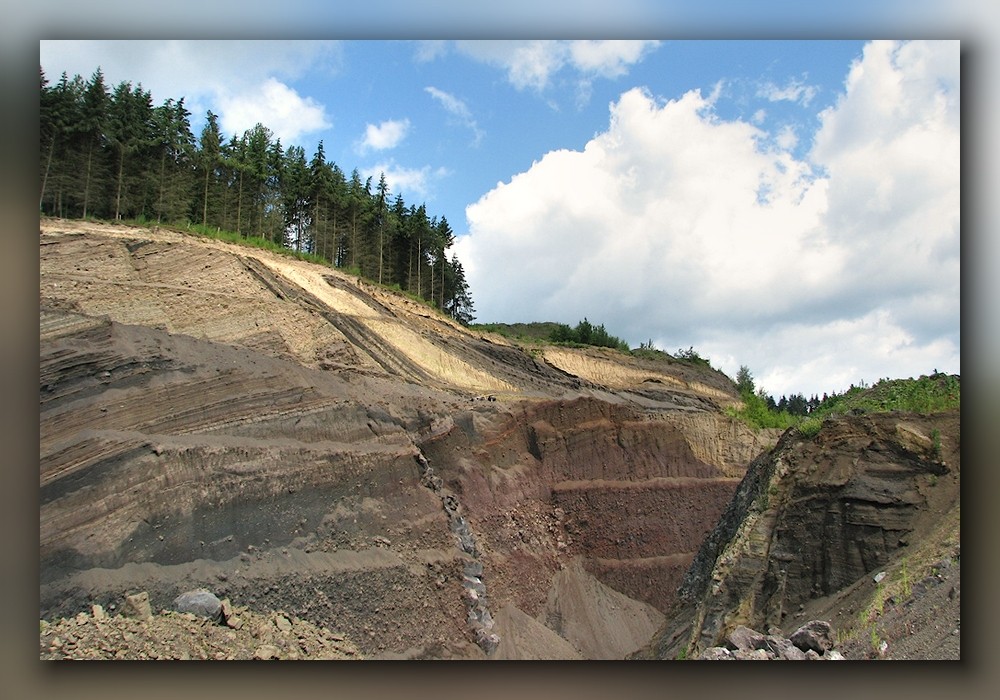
(300, 441)
(364, 478)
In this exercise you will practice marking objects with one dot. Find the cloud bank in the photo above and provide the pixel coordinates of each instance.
(531, 64)
(677, 226)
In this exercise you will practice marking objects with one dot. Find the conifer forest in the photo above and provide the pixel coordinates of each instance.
(109, 153)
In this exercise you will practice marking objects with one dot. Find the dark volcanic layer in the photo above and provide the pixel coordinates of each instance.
(814, 518)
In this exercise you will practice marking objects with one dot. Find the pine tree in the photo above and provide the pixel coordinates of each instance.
(420, 228)
(129, 129)
(443, 238)
(381, 215)
(295, 198)
(400, 242)
(744, 381)
(256, 164)
(319, 200)
(91, 134)
(59, 112)
(175, 143)
(358, 214)
(272, 223)
(233, 168)
(459, 306)
(209, 159)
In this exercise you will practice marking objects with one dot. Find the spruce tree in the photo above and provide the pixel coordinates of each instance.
(209, 158)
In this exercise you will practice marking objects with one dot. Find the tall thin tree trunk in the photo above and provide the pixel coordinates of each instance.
(354, 240)
(48, 166)
(239, 205)
(118, 195)
(163, 169)
(204, 205)
(86, 186)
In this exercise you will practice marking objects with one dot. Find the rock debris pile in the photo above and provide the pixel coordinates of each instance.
(812, 641)
(219, 632)
(473, 589)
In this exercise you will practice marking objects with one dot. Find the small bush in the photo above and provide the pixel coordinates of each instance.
(585, 333)
(936, 443)
(691, 356)
(810, 427)
(756, 413)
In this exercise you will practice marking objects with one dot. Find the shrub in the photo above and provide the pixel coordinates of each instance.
(691, 356)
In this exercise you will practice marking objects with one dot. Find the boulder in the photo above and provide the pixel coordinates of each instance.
(744, 639)
(783, 648)
(199, 602)
(816, 635)
(137, 606)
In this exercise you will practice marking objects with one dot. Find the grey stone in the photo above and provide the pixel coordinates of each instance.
(744, 639)
(199, 602)
(716, 654)
(815, 635)
(487, 641)
(783, 649)
(282, 623)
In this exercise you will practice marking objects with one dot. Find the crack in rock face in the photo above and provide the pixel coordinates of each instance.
(474, 597)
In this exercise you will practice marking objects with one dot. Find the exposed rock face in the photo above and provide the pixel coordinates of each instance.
(223, 418)
(812, 517)
(582, 477)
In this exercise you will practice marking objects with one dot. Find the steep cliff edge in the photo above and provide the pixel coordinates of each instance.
(814, 523)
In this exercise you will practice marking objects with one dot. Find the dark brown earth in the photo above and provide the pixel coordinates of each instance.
(323, 450)
(858, 526)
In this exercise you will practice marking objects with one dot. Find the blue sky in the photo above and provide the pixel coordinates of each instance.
(788, 205)
(465, 115)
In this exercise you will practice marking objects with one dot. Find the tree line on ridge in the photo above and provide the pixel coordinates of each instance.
(109, 153)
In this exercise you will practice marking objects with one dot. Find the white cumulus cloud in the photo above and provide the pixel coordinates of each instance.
(679, 226)
(411, 183)
(276, 106)
(388, 134)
